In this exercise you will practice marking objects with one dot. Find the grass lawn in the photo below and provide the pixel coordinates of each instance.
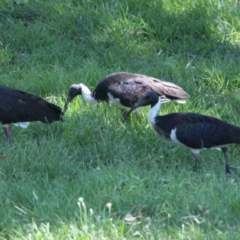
(92, 177)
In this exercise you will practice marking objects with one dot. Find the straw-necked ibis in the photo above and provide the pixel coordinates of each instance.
(20, 108)
(125, 89)
(193, 130)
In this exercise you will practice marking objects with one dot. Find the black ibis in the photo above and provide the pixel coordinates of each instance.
(193, 130)
(125, 89)
(20, 108)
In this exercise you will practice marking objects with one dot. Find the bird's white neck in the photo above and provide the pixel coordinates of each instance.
(87, 94)
(154, 112)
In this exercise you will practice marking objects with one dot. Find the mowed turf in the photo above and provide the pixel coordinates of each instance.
(92, 177)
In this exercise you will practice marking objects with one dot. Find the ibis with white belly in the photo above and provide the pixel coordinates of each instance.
(124, 89)
(193, 130)
(20, 108)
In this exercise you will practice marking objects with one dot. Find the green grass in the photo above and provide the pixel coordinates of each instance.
(132, 183)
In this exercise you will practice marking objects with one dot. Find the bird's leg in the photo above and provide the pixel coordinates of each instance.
(196, 161)
(7, 133)
(227, 167)
(225, 153)
(124, 112)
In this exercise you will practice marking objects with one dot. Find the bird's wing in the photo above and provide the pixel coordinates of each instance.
(17, 106)
(168, 89)
(129, 91)
(134, 88)
(200, 131)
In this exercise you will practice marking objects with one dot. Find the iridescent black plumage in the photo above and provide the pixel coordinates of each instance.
(194, 130)
(125, 89)
(18, 106)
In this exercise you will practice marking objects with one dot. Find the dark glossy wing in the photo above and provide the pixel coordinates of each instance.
(133, 87)
(201, 131)
(18, 106)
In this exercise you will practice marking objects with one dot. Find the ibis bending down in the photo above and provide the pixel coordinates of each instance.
(193, 130)
(20, 108)
(125, 89)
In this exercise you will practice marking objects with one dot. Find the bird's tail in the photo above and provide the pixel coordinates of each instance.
(41, 110)
(50, 113)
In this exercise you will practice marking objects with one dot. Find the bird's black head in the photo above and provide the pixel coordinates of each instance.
(151, 98)
(74, 90)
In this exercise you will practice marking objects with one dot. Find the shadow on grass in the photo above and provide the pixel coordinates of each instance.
(201, 29)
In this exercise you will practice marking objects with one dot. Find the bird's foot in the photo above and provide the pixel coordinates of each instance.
(9, 138)
(228, 168)
(195, 167)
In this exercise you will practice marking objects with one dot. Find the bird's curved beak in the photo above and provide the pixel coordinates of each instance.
(135, 106)
(69, 99)
(143, 102)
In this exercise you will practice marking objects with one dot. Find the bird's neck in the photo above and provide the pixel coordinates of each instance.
(87, 94)
(154, 112)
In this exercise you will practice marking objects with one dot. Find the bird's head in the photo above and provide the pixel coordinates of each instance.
(74, 90)
(151, 98)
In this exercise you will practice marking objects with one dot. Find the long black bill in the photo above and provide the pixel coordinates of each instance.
(66, 105)
(136, 105)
